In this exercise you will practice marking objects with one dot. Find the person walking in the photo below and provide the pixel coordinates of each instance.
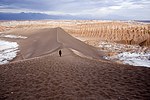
(60, 53)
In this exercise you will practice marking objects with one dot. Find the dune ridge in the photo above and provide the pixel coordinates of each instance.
(47, 41)
(72, 77)
(38, 73)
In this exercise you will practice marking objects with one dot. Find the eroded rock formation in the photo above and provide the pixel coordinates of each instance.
(116, 31)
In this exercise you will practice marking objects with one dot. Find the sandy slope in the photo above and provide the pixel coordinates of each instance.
(47, 41)
(43, 75)
(71, 77)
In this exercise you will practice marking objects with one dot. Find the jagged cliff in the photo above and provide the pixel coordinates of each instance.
(117, 31)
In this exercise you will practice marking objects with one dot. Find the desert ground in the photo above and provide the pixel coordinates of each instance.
(31, 69)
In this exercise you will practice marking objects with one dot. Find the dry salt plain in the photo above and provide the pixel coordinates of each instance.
(124, 53)
(8, 49)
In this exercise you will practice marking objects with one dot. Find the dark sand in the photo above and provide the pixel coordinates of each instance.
(70, 77)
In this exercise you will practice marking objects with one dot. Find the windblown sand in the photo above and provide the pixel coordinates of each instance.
(38, 73)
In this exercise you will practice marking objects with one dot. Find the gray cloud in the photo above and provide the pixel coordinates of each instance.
(80, 7)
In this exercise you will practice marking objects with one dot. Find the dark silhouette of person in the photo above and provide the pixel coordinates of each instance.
(60, 53)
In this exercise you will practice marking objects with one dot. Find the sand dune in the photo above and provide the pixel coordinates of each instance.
(46, 41)
(38, 73)
(71, 77)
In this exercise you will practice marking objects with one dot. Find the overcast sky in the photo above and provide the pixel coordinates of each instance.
(135, 9)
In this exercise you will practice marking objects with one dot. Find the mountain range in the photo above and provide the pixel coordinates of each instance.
(41, 16)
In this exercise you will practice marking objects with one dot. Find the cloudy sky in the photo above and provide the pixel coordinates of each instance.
(134, 9)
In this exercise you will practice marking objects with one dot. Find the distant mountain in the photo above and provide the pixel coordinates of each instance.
(31, 16)
(144, 21)
(40, 16)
